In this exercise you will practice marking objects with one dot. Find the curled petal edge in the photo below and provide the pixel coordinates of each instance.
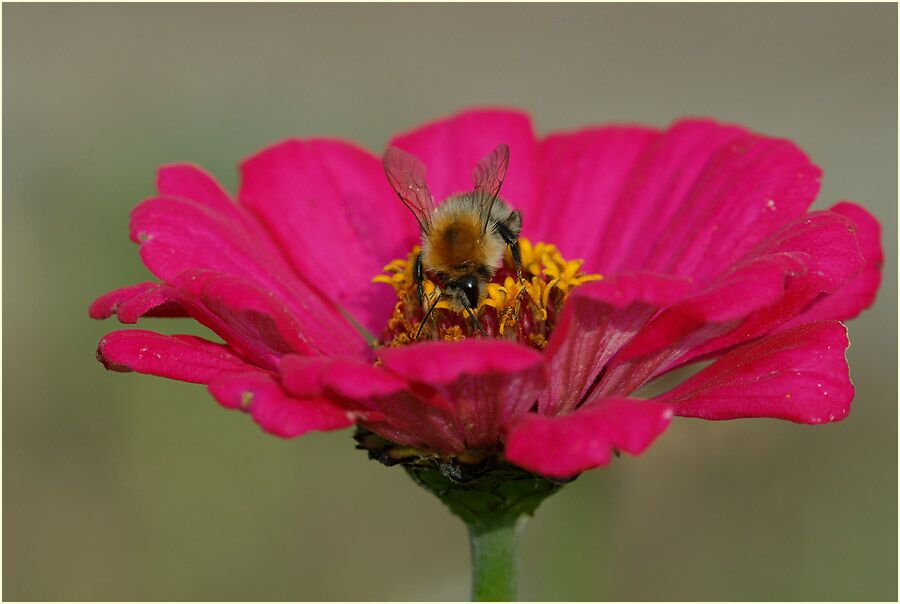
(564, 446)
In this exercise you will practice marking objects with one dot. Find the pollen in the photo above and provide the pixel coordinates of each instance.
(523, 311)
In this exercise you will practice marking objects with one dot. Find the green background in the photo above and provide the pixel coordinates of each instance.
(121, 486)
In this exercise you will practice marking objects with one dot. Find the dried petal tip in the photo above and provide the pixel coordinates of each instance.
(520, 311)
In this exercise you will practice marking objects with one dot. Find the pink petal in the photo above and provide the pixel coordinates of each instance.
(451, 147)
(776, 280)
(486, 383)
(386, 404)
(250, 320)
(275, 411)
(564, 446)
(407, 421)
(178, 235)
(748, 190)
(815, 254)
(599, 319)
(859, 293)
(827, 249)
(799, 375)
(689, 202)
(581, 174)
(191, 182)
(446, 362)
(311, 376)
(246, 319)
(185, 358)
(261, 326)
(146, 299)
(331, 209)
(413, 418)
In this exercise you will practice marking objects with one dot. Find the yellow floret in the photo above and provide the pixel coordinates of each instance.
(544, 272)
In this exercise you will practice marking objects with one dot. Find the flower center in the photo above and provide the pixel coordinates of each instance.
(520, 311)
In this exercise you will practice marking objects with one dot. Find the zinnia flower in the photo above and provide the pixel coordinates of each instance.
(693, 244)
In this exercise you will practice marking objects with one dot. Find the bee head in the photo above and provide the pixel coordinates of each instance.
(470, 288)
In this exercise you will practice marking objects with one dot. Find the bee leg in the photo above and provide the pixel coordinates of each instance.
(476, 325)
(428, 314)
(517, 258)
(419, 278)
(512, 240)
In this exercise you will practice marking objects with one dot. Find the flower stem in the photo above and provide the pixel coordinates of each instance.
(495, 558)
(491, 496)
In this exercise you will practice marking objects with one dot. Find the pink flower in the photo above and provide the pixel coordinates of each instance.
(701, 232)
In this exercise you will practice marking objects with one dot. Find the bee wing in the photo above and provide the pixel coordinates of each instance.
(488, 177)
(407, 177)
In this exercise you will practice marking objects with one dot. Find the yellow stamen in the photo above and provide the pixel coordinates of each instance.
(524, 311)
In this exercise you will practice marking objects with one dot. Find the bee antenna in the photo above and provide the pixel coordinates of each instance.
(428, 314)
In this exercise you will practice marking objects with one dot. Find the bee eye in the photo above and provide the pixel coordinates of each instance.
(471, 290)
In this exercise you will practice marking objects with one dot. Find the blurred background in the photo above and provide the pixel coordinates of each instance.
(128, 487)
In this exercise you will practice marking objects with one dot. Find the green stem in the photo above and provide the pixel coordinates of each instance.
(495, 558)
(491, 496)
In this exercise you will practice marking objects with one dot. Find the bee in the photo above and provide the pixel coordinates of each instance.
(463, 238)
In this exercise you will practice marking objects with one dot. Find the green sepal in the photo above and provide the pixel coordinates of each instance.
(478, 486)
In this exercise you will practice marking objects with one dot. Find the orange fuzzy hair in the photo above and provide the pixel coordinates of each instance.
(453, 242)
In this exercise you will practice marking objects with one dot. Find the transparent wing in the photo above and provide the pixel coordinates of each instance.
(488, 177)
(407, 176)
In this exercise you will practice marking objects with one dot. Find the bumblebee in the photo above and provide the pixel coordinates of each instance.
(463, 238)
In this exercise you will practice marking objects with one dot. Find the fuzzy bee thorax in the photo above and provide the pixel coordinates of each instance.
(455, 241)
